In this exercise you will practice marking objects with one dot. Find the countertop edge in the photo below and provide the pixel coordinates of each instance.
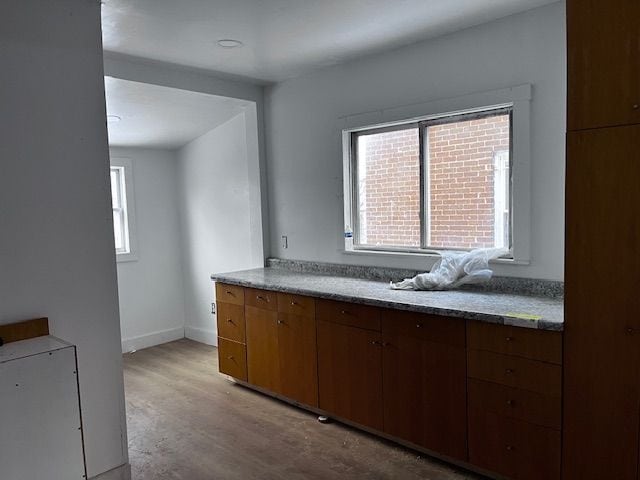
(541, 324)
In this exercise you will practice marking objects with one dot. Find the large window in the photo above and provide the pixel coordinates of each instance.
(439, 183)
(122, 207)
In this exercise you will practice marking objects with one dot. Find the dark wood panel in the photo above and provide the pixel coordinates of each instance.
(541, 377)
(425, 393)
(602, 304)
(298, 358)
(350, 314)
(350, 373)
(515, 449)
(426, 327)
(14, 332)
(515, 403)
(229, 294)
(231, 323)
(603, 70)
(524, 342)
(296, 304)
(263, 359)
(264, 299)
(232, 359)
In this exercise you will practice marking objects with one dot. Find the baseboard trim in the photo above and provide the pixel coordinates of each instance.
(202, 335)
(151, 339)
(123, 472)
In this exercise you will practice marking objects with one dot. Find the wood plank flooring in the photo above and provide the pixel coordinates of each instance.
(188, 422)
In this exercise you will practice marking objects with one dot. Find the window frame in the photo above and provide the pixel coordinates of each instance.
(423, 159)
(125, 166)
(516, 99)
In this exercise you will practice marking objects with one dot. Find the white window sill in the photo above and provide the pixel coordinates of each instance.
(126, 257)
(415, 255)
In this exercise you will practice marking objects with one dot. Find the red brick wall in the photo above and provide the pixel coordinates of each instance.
(461, 184)
(392, 194)
(461, 178)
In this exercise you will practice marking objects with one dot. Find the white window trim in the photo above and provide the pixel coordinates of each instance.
(518, 96)
(126, 164)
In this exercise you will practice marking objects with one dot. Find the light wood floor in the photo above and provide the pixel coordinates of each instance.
(186, 421)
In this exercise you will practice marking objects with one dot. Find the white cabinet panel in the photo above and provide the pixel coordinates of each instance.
(40, 425)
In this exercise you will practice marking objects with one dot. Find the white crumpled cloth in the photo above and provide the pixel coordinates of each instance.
(454, 269)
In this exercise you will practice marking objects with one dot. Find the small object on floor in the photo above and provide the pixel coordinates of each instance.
(323, 419)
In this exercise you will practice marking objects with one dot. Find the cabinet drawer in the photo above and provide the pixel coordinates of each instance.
(296, 304)
(517, 372)
(232, 359)
(425, 327)
(515, 449)
(264, 299)
(231, 322)
(350, 314)
(229, 294)
(524, 342)
(515, 403)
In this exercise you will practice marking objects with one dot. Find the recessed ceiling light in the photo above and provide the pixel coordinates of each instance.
(230, 43)
(113, 118)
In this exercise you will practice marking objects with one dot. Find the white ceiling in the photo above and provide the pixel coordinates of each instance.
(284, 38)
(162, 117)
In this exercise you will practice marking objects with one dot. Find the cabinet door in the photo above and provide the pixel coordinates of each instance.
(263, 360)
(350, 373)
(602, 305)
(425, 393)
(603, 64)
(298, 358)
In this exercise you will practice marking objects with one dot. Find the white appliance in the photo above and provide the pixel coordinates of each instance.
(40, 422)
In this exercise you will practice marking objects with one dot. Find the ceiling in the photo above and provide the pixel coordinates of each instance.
(162, 117)
(284, 38)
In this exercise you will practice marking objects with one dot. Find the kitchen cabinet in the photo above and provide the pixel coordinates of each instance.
(281, 347)
(263, 358)
(350, 373)
(425, 381)
(602, 338)
(603, 63)
(483, 394)
(232, 350)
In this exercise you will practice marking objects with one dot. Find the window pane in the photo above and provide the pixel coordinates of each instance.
(389, 188)
(115, 188)
(469, 183)
(118, 230)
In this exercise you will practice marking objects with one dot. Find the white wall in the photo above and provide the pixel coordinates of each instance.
(151, 289)
(57, 254)
(304, 157)
(217, 214)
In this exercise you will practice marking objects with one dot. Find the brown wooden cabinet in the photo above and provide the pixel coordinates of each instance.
(298, 359)
(350, 373)
(479, 393)
(232, 354)
(425, 381)
(263, 358)
(602, 338)
(603, 63)
(514, 400)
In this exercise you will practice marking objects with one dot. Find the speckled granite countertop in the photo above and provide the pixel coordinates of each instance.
(545, 313)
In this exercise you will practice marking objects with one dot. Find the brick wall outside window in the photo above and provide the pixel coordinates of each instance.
(391, 190)
(461, 187)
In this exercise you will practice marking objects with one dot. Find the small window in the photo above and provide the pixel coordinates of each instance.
(438, 183)
(119, 205)
(122, 207)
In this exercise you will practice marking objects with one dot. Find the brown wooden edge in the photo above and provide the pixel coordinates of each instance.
(14, 332)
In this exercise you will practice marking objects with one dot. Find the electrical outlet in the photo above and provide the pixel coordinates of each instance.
(285, 241)
(213, 308)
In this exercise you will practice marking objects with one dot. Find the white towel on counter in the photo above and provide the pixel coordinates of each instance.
(454, 269)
